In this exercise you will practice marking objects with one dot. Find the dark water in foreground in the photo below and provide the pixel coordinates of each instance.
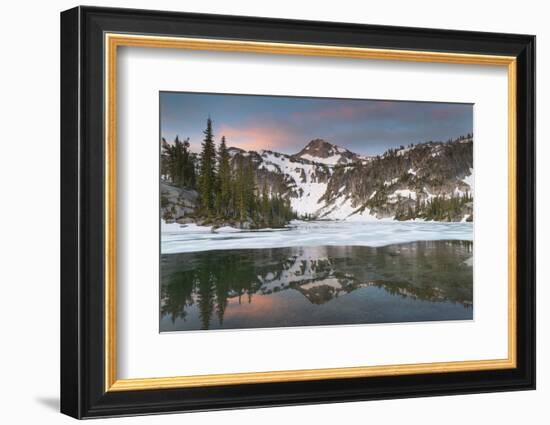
(325, 285)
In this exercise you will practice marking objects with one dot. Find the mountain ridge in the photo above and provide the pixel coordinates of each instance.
(430, 180)
(385, 186)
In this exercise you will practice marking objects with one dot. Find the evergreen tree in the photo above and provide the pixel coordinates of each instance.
(188, 165)
(207, 182)
(177, 163)
(205, 296)
(240, 193)
(224, 177)
(164, 158)
(250, 189)
(244, 191)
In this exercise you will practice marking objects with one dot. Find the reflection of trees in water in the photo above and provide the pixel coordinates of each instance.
(430, 271)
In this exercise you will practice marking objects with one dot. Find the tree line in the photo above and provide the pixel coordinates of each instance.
(227, 187)
(438, 208)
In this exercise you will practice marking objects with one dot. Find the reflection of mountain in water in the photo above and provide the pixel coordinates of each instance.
(436, 271)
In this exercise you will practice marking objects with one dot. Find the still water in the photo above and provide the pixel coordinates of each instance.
(321, 285)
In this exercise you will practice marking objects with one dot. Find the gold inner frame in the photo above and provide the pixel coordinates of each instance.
(113, 41)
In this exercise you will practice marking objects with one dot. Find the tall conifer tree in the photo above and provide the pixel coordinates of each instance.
(224, 177)
(207, 184)
(188, 166)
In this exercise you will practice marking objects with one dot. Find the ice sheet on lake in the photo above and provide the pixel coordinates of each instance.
(314, 233)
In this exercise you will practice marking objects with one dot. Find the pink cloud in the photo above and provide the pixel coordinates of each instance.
(255, 137)
(348, 111)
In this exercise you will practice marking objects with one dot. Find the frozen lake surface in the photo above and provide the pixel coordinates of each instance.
(193, 238)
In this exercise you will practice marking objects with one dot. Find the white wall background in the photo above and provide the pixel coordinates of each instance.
(29, 213)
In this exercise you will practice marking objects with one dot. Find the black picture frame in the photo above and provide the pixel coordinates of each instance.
(83, 392)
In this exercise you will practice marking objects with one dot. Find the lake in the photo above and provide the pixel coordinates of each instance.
(246, 284)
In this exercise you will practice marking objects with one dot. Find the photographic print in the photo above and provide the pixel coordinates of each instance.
(279, 211)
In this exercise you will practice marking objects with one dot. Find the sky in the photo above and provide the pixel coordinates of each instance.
(287, 124)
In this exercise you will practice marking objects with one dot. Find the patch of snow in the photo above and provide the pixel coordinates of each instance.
(403, 151)
(309, 202)
(366, 216)
(183, 228)
(269, 167)
(227, 229)
(342, 209)
(469, 180)
(458, 192)
(192, 228)
(390, 182)
(331, 160)
(332, 282)
(404, 193)
(427, 192)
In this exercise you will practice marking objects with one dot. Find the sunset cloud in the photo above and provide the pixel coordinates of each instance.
(348, 110)
(268, 136)
(287, 124)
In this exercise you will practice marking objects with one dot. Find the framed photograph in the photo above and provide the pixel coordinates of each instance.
(261, 212)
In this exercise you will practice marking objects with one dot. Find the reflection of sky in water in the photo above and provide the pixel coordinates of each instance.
(324, 285)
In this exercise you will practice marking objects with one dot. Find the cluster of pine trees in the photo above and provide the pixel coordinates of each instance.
(178, 163)
(446, 209)
(438, 208)
(227, 188)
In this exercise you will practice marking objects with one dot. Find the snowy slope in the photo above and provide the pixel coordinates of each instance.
(331, 160)
(469, 180)
(303, 178)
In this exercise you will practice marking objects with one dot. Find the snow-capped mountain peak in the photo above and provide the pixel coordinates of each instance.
(323, 152)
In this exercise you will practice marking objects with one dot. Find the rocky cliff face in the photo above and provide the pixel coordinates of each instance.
(176, 203)
(432, 180)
